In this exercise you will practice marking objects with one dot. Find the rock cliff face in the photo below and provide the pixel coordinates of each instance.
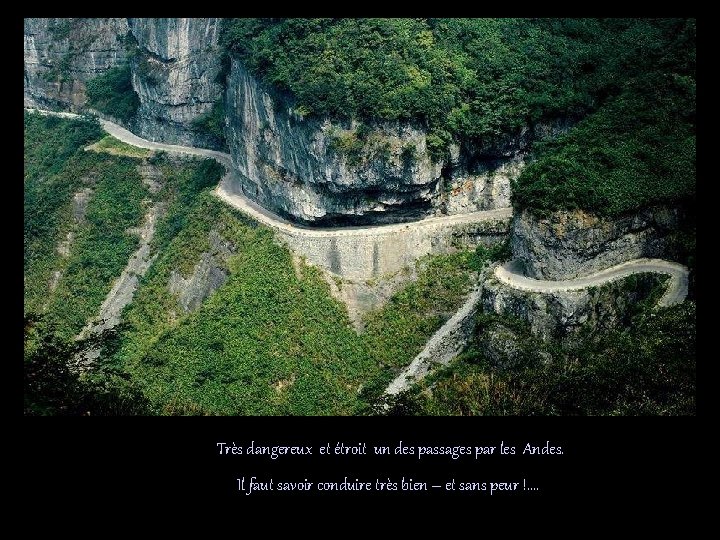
(563, 315)
(207, 276)
(61, 55)
(305, 168)
(571, 244)
(175, 74)
(485, 189)
(479, 178)
(322, 172)
(315, 171)
(175, 66)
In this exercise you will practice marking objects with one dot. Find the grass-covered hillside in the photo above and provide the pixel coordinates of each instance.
(637, 150)
(270, 340)
(648, 368)
(78, 206)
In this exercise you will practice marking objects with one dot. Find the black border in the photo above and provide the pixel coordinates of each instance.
(94, 462)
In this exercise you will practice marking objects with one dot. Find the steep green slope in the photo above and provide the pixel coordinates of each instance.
(266, 342)
(56, 168)
(637, 150)
(49, 144)
(271, 340)
(648, 368)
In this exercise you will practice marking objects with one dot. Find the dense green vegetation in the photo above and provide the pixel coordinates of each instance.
(464, 77)
(51, 388)
(475, 80)
(399, 331)
(271, 340)
(266, 342)
(647, 368)
(637, 150)
(102, 245)
(471, 78)
(51, 141)
(183, 182)
(50, 180)
(56, 167)
(113, 94)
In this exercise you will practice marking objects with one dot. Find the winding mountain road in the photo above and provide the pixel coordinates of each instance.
(227, 191)
(444, 345)
(451, 338)
(511, 274)
(508, 273)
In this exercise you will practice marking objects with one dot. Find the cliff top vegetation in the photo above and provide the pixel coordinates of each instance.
(477, 81)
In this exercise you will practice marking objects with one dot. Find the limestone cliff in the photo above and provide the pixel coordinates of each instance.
(175, 74)
(175, 65)
(61, 55)
(327, 172)
(564, 315)
(319, 171)
(566, 245)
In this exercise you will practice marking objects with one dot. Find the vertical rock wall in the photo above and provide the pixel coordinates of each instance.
(566, 245)
(176, 76)
(61, 55)
(312, 170)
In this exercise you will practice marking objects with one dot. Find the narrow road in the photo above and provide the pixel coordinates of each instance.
(441, 348)
(510, 274)
(449, 340)
(238, 200)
